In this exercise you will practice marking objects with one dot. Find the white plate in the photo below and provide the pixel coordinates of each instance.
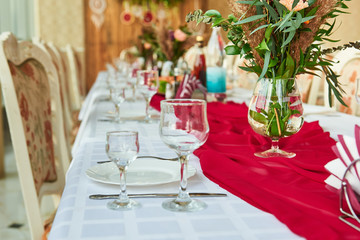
(141, 172)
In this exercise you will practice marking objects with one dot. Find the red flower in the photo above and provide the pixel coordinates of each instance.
(48, 107)
(12, 69)
(24, 107)
(48, 131)
(28, 70)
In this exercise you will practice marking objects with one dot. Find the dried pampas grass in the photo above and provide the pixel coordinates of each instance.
(303, 40)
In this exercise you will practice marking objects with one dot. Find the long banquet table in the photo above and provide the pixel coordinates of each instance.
(229, 217)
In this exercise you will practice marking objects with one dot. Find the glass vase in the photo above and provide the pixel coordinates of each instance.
(276, 111)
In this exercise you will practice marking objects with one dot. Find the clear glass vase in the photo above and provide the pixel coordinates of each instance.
(276, 111)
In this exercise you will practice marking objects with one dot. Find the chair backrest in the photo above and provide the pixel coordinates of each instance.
(347, 66)
(244, 79)
(67, 116)
(72, 77)
(80, 64)
(32, 101)
(309, 86)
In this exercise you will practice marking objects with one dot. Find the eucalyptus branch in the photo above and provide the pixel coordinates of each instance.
(341, 47)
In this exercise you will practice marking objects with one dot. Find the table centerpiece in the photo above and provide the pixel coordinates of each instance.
(280, 39)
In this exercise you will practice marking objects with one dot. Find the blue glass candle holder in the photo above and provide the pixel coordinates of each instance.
(216, 79)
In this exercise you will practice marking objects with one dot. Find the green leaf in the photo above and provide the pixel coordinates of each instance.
(288, 39)
(284, 21)
(258, 117)
(253, 3)
(232, 18)
(232, 50)
(266, 64)
(218, 21)
(290, 64)
(262, 46)
(268, 32)
(251, 19)
(272, 11)
(212, 13)
(261, 27)
(298, 20)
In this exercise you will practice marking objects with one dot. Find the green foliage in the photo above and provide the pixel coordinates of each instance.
(281, 28)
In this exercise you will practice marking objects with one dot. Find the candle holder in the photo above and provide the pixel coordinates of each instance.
(347, 216)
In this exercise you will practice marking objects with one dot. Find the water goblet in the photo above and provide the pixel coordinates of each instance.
(147, 84)
(122, 148)
(184, 128)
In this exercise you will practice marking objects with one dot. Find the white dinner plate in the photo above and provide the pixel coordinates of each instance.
(140, 173)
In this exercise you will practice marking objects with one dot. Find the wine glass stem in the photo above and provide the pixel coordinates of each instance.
(183, 194)
(147, 115)
(117, 113)
(123, 197)
(133, 92)
(275, 145)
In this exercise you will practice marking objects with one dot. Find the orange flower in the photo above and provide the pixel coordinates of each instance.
(180, 35)
(147, 45)
(288, 4)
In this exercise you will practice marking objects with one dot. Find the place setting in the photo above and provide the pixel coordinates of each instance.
(183, 127)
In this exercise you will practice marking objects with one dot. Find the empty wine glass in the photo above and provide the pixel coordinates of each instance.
(184, 128)
(147, 84)
(122, 148)
(117, 96)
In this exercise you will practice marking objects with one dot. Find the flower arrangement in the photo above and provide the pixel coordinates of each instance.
(170, 44)
(280, 38)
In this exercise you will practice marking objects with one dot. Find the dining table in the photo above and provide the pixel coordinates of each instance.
(232, 217)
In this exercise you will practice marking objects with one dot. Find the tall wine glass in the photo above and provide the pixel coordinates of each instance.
(117, 96)
(184, 128)
(276, 111)
(122, 148)
(147, 84)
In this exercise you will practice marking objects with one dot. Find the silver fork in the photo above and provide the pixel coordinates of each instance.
(160, 158)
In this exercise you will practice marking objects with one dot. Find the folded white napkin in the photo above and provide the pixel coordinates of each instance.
(347, 151)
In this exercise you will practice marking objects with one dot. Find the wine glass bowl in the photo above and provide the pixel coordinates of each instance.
(184, 128)
(117, 96)
(147, 85)
(122, 148)
(276, 111)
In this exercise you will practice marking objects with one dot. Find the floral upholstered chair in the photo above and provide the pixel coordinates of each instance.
(73, 79)
(56, 60)
(348, 67)
(32, 101)
(309, 86)
(244, 79)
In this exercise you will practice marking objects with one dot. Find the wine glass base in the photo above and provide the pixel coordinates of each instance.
(275, 153)
(121, 206)
(176, 206)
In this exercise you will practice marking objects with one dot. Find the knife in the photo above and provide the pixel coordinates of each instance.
(154, 195)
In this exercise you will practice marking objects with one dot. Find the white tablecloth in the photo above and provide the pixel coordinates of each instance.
(227, 218)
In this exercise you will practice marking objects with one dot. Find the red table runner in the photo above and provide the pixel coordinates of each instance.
(293, 190)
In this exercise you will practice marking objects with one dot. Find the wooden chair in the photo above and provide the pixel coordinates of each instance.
(348, 67)
(309, 86)
(72, 77)
(67, 116)
(79, 54)
(244, 79)
(32, 101)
